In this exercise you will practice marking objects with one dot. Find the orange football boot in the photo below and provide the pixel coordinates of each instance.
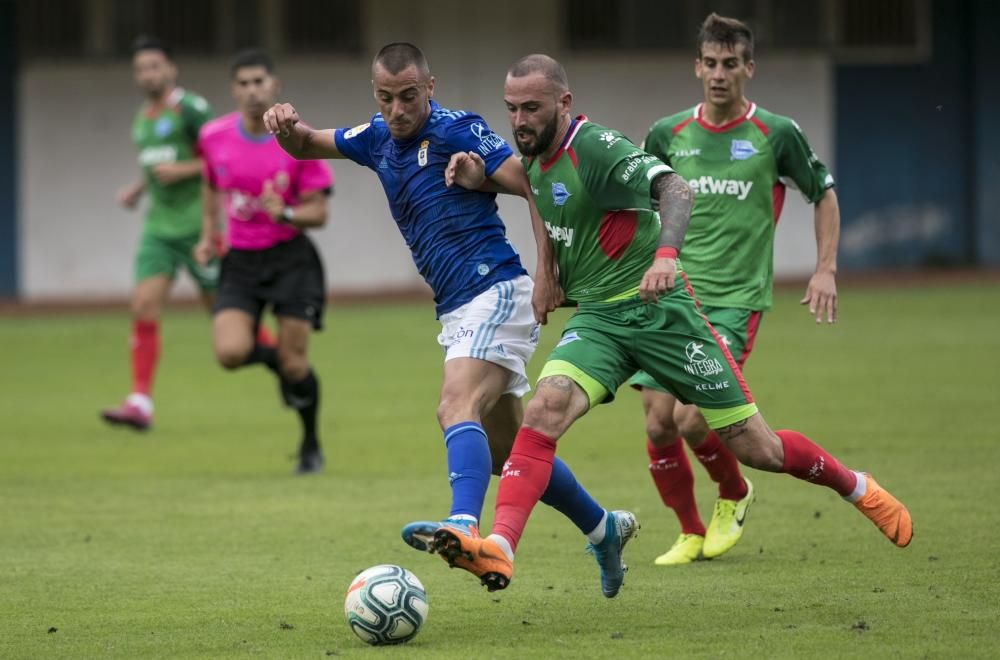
(481, 557)
(888, 513)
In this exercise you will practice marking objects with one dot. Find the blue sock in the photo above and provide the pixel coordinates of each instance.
(569, 498)
(469, 467)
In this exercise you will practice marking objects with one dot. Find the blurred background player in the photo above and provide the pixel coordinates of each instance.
(165, 132)
(269, 199)
(615, 257)
(738, 158)
(484, 298)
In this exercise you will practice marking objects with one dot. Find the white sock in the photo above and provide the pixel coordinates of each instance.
(859, 489)
(504, 545)
(464, 516)
(140, 401)
(596, 535)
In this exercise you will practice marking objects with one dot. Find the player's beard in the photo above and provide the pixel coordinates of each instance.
(542, 141)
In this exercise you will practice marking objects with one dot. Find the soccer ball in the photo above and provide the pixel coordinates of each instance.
(386, 604)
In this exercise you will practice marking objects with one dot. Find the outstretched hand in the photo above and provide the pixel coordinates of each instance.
(821, 296)
(466, 169)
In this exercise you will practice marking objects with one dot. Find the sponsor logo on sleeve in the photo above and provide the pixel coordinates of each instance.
(488, 140)
(609, 138)
(637, 160)
(741, 150)
(357, 130)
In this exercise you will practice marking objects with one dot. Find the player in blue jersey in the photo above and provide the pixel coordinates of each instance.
(484, 298)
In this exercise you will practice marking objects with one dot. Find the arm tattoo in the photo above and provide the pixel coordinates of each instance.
(733, 431)
(674, 196)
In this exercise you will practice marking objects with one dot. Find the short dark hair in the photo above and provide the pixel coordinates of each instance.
(398, 55)
(728, 32)
(149, 42)
(543, 64)
(251, 57)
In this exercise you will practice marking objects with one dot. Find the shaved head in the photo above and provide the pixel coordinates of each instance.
(544, 65)
(400, 55)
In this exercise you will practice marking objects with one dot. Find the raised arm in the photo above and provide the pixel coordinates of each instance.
(673, 196)
(821, 293)
(299, 140)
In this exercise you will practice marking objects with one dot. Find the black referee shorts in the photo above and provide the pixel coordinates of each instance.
(288, 276)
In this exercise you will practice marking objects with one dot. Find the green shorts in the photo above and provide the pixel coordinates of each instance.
(605, 343)
(738, 329)
(163, 256)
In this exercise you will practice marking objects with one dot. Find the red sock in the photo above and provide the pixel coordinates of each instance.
(672, 475)
(145, 346)
(524, 478)
(806, 460)
(722, 466)
(264, 337)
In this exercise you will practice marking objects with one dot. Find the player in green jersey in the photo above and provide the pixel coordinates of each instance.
(596, 192)
(738, 158)
(165, 132)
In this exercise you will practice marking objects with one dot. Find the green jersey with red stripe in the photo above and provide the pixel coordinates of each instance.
(593, 195)
(168, 136)
(738, 173)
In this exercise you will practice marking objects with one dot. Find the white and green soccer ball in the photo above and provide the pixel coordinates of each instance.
(386, 604)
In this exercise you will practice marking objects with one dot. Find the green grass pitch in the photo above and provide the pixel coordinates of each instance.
(194, 540)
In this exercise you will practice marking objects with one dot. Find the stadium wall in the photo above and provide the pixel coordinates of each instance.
(74, 120)
(8, 152)
(918, 148)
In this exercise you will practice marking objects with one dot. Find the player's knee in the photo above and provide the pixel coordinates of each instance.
(548, 411)
(145, 308)
(660, 429)
(293, 365)
(231, 356)
(455, 407)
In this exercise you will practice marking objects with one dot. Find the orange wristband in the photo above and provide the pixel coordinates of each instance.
(666, 253)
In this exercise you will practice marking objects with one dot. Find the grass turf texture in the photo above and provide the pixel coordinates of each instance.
(195, 540)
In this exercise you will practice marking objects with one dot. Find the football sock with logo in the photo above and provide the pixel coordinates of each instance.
(671, 472)
(524, 479)
(565, 494)
(722, 467)
(469, 467)
(145, 349)
(263, 354)
(806, 460)
(303, 396)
